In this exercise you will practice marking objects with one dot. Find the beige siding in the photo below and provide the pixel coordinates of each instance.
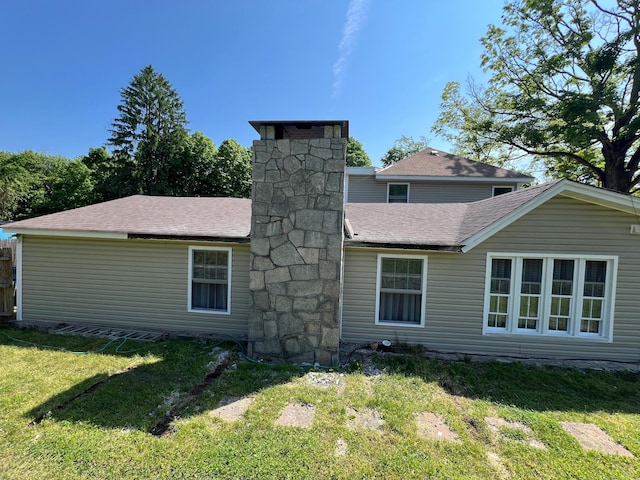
(366, 189)
(455, 287)
(446, 192)
(128, 283)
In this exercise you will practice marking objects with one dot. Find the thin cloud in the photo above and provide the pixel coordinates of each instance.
(356, 15)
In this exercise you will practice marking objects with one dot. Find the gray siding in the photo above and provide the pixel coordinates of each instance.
(455, 287)
(366, 189)
(126, 283)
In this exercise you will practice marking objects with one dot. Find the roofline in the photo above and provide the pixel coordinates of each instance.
(407, 178)
(361, 170)
(190, 238)
(66, 233)
(578, 191)
(403, 246)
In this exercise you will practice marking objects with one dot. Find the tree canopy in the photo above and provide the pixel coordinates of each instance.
(564, 88)
(34, 184)
(402, 148)
(149, 133)
(356, 155)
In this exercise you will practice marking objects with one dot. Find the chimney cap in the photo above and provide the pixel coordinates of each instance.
(302, 128)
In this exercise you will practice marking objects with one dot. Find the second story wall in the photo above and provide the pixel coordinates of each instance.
(366, 189)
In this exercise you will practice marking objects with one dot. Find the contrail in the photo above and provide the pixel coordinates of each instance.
(356, 15)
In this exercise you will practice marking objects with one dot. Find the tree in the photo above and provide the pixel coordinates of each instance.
(356, 156)
(564, 88)
(232, 173)
(402, 148)
(149, 133)
(36, 184)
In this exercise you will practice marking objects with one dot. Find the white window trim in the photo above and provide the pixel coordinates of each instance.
(190, 284)
(423, 291)
(542, 330)
(493, 189)
(399, 183)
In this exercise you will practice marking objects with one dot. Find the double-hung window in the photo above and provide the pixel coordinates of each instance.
(401, 290)
(210, 279)
(550, 295)
(397, 193)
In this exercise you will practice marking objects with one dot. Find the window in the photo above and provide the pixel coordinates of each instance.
(397, 193)
(501, 190)
(401, 290)
(550, 295)
(210, 279)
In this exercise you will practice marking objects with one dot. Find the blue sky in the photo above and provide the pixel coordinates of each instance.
(380, 64)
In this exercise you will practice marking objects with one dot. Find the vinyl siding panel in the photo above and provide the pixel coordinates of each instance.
(366, 189)
(455, 287)
(446, 192)
(126, 283)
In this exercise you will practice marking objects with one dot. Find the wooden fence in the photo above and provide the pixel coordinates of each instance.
(7, 288)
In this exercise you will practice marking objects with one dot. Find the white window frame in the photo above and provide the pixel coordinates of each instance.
(493, 189)
(544, 306)
(398, 183)
(423, 291)
(190, 284)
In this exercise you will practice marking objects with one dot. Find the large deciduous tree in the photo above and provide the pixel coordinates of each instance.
(356, 155)
(232, 172)
(149, 134)
(564, 87)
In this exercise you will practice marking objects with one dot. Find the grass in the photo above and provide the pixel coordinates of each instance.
(104, 434)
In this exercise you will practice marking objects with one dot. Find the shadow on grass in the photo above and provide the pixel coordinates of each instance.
(527, 387)
(141, 396)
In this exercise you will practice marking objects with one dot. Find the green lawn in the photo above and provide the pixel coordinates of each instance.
(104, 433)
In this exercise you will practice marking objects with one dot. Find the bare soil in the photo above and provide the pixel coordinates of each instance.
(231, 409)
(432, 427)
(297, 415)
(591, 437)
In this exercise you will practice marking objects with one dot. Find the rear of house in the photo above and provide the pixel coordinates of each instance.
(546, 271)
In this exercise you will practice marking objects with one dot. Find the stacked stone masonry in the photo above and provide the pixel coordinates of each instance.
(296, 249)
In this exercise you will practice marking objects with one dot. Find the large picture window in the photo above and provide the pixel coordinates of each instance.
(401, 290)
(210, 279)
(550, 295)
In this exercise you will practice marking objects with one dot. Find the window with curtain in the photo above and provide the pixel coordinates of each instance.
(401, 290)
(209, 277)
(550, 295)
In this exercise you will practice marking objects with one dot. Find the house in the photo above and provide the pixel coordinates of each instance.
(430, 176)
(546, 271)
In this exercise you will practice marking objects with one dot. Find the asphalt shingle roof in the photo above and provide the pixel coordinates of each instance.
(402, 224)
(434, 163)
(148, 215)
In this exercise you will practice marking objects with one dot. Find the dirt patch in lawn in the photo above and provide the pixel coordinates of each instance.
(162, 427)
(432, 427)
(341, 447)
(297, 415)
(496, 463)
(325, 379)
(500, 426)
(366, 419)
(232, 408)
(591, 437)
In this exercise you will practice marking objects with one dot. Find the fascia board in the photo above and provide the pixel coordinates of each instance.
(423, 178)
(66, 233)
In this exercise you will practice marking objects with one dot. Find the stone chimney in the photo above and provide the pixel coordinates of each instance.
(296, 240)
